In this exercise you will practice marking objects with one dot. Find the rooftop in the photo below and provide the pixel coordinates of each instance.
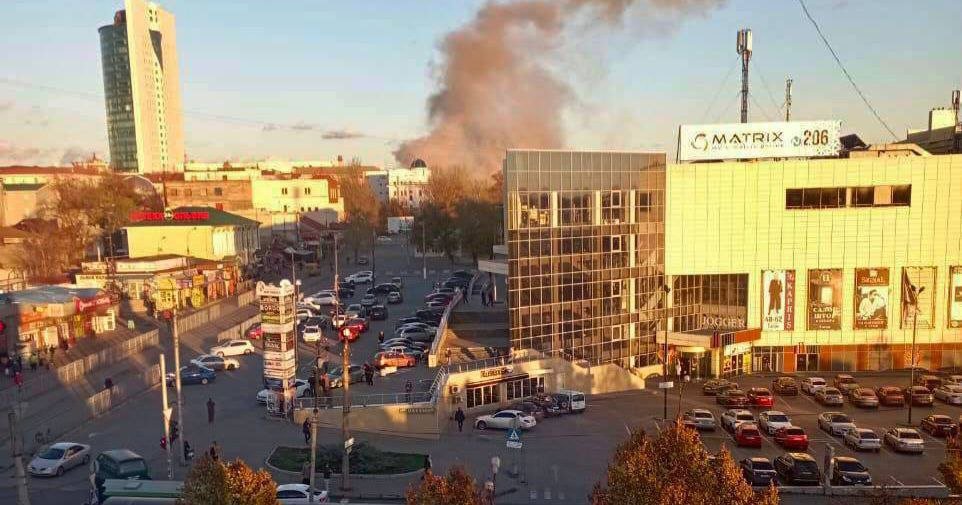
(52, 294)
(194, 216)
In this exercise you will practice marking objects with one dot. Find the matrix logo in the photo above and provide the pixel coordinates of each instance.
(700, 142)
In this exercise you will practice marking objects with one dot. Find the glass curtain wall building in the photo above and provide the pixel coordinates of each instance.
(585, 235)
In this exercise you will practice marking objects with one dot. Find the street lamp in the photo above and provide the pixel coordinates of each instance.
(915, 319)
(664, 361)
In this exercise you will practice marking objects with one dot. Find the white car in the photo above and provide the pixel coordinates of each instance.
(421, 326)
(953, 379)
(321, 299)
(339, 319)
(812, 384)
(863, 439)
(234, 347)
(905, 440)
(836, 423)
(304, 313)
(416, 334)
(773, 420)
(949, 393)
(301, 388)
(298, 494)
(701, 419)
(59, 458)
(505, 420)
(311, 333)
(216, 363)
(733, 417)
(362, 277)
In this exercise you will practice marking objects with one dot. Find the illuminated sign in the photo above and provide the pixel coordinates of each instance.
(733, 141)
(169, 215)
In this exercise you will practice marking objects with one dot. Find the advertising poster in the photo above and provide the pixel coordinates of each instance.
(825, 299)
(923, 278)
(778, 300)
(955, 297)
(871, 298)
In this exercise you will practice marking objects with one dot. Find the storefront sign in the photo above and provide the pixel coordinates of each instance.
(278, 364)
(278, 342)
(722, 322)
(796, 139)
(279, 355)
(736, 349)
(955, 297)
(778, 300)
(32, 316)
(825, 299)
(418, 410)
(282, 374)
(497, 372)
(923, 298)
(169, 215)
(277, 325)
(92, 304)
(871, 298)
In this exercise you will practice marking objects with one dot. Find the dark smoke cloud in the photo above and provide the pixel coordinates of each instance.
(10, 153)
(496, 89)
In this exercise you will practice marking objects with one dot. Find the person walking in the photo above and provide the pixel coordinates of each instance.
(380, 337)
(306, 473)
(214, 451)
(459, 417)
(306, 428)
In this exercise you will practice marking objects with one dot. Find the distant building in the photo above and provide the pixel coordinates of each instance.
(24, 189)
(408, 186)
(229, 195)
(379, 183)
(197, 232)
(142, 89)
(943, 134)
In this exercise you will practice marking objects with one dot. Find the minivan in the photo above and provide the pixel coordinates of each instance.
(574, 402)
(121, 464)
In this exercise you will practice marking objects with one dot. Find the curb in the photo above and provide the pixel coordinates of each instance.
(362, 476)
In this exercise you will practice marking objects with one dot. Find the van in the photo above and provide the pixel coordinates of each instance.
(575, 402)
(121, 464)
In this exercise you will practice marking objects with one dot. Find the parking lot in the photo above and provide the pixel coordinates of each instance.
(886, 466)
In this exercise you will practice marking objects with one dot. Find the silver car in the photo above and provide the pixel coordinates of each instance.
(863, 439)
(949, 393)
(829, 396)
(59, 458)
(836, 423)
(905, 440)
(701, 419)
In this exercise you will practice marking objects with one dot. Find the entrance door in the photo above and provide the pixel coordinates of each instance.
(807, 362)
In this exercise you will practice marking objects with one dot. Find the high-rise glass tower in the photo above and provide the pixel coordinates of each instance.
(142, 89)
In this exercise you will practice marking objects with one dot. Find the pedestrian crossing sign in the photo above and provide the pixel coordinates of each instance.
(514, 435)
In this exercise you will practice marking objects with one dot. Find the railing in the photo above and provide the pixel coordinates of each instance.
(442, 326)
(523, 356)
(432, 395)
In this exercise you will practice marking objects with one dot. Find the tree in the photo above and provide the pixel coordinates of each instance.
(675, 468)
(440, 230)
(211, 482)
(446, 187)
(477, 224)
(455, 488)
(362, 209)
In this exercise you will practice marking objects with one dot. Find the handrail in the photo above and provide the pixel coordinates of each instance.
(431, 396)
(442, 326)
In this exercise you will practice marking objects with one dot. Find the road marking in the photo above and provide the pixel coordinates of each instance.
(898, 482)
(533, 494)
(628, 430)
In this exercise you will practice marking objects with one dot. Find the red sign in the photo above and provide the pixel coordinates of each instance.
(169, 215)
(92, 304)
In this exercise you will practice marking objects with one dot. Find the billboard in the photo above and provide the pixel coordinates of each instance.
(871, 298)
(732, 141)
(923, 278)
(825, 299)
(778, 300)
(280, 355)
(955, 297)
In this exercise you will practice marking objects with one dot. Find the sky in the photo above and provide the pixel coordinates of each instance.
(369, 67)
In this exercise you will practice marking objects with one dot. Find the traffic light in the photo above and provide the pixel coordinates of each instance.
(346, 334)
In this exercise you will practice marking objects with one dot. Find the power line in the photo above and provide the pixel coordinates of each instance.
(737, 99)
(768, 88)
(845, 71)
(759, 107)
(718, 91)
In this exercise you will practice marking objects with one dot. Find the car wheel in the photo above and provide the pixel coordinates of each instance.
(204, 381)
(231, 367)
(482, 425)
(247, 352)
(59, 471)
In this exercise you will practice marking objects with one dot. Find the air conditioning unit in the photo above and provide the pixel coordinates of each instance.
(454, 390)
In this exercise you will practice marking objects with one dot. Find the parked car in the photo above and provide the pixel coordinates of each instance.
(791, 438)
(760, 397)
(717, 386)
(406, 342)
(529, 408)
(904, 440)
(747, 435)
(731, 418)
(302, 388)
(571, 401)
(919, 395)
(395, 297)
(437, 304)
(233, 348)
(848, 471)
(930, 382)
(324, 298)
(786, 386)
(385, 288)
(423, 326)
(701, 419)
(548, 403)
(955, 380)
(254, 332)
(345, 289)
(949, 393)
(362, 277)
(192, 374)
(757, 471)
(216, 363)
(396, 359)
(829, 396)
(303, 313)
(462, 274)
(835, 423)
(356, 310)
(369, 300)
(416, 334)
(445, 297)
(844, 381)
(355, 374)
(406, 320)
(939, 425)
(733, 398)
(797, 469)
(890, 396)
(504, 420)
(862, 439)
(377, 313)
(58, 458)
(812, 384)
(863, 397)
(416, 352)
(299, 494)
(771, 421)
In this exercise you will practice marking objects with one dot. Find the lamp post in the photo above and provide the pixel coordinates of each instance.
(346, 334)
(915, 319)
(664, 362)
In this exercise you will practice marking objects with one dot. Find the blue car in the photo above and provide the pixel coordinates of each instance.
(193, 374)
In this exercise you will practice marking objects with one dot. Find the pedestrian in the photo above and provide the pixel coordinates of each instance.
(484, 298)
(188, 451)
(380, 337)
(408, 388)
(306, 473)
(33, 361)
(108, 383)
(307, 430)
(214, 451)
(459, 417)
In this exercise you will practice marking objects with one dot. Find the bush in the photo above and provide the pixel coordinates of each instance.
(365, 459)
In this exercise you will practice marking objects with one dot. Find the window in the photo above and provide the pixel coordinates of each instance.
(283, 191)
(525, 388)
(483, 395)
(902, 195)
(863, 197)
(307, 191)
(218, 192)
(841, 197)
(793, 198)
(172, 192)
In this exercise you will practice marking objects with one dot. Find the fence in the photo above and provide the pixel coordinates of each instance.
(237, 331)
(378, 399)
(214, 311)
(103, 401)
(436, 344)
(73, 371)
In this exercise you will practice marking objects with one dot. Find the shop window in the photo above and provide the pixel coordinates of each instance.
(902, 195)
(218, 192)
(525, 388)
(863, 197)
(793, 199)
(483, 395)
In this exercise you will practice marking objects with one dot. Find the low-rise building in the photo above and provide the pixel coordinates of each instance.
(198, 232)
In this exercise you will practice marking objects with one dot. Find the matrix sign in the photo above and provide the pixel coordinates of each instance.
(734, 141)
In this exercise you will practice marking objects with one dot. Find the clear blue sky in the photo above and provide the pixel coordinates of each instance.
(366, 66)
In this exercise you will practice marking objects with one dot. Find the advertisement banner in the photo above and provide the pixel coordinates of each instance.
(278, 343)
(279, 374)
(923, 278)
(778, 300)
(278, 364)
(274, 355)
(277, 328)
(732, 141)
(871, 298)
(955, 297)
(825, 299)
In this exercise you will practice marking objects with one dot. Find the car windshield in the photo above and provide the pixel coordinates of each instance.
(846, 380)
(849, 466)
(841, 418)
(778, 418)
(760, 392)
(52, 453)
(830, 391)
(806, 467)
(735, 392)
(942, 420)
(750, 432)
(762, 466)
(910, 435)
(578, 398)
(744, 417)
(703, 415)
(868, 435)
(133, 466)
(817, 382)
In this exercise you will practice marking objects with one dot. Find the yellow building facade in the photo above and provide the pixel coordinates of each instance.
(196, 232)
(821, 256)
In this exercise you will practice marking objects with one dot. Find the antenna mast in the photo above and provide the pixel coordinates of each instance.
(788, 99)
(744, 47)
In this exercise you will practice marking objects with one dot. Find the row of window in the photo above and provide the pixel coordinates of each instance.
(857, 196)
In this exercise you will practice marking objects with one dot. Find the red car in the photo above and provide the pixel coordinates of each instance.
(760, 397)
(747, 435)
(254, 332)
(358, 325)
(792, 438)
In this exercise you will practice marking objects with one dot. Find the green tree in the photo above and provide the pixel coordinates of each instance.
(455, 488)
(212, 482)
(362, 209)
(477, 223)
(441, 232)
(675, 468)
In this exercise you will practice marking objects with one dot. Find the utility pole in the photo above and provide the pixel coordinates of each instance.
(788, 99)
(165, 413)
(744, 46)
(295, 283)
(16, 450)
(346, 410)
(664, 362)
(915, 319)
(424, 251)
(317, 387)
(177, 388)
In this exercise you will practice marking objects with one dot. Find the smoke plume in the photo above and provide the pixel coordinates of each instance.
(496, 89)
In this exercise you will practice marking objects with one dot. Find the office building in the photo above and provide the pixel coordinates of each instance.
(142, 90)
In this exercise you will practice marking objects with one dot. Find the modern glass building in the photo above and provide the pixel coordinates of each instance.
(585, 237)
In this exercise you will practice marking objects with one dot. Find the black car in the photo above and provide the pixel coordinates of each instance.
(757, 471)
(377, 313)
(347, 288)
(429, 315)
(797, 468)
(405, 320)
(718, 386)
(548, 404)
(848, 471)
(786, 386)
(463, 274)
(384, 288)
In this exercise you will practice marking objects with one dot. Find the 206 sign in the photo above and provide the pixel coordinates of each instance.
(813, 138)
